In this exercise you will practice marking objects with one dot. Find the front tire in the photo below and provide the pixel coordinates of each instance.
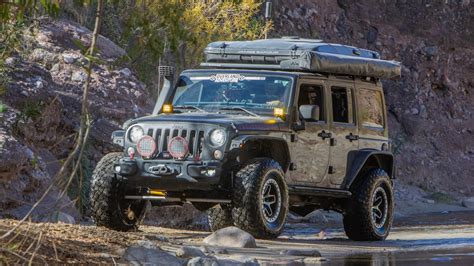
(220, 217)
(260, 198)
(108, 205)
(369, 214)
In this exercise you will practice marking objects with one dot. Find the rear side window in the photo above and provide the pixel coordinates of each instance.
(371, 108)
(341, 105)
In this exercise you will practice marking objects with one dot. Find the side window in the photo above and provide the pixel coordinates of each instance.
(312, 95)
(342, 105)
(370, 108)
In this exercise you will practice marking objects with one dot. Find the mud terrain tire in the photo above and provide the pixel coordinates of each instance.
(259, 183)
(108, 206)
(220, 217)
(369, 213)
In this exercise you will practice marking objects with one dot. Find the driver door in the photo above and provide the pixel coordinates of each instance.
(310, 151)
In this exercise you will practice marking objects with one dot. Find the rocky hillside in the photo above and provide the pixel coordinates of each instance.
(41, 116)
(431, 107)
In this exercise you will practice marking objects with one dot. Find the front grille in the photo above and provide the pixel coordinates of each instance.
(163, 136)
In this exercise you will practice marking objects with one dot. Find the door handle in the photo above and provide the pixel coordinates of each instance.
(352, 137)
(324, 135)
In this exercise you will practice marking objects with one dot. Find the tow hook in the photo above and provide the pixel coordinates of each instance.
(160, 169)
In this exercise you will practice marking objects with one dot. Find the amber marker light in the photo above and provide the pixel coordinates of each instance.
(279, 112)
(167, 108)
(271, 121)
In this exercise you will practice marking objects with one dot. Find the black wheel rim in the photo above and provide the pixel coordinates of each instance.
(271, 200)
(379, 208)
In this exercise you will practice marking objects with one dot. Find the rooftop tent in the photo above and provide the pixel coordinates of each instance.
(300, 55)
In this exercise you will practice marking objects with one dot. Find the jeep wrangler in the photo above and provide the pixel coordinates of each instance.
(263, 128)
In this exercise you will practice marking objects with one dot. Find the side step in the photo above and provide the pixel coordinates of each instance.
(323, 192)
(173, 199)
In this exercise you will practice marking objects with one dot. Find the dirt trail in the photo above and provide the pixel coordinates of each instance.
(426, 237)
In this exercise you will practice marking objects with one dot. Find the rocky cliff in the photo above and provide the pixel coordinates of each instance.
(431, 107)
(42, 113)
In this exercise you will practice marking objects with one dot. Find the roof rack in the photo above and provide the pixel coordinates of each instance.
(295, 54)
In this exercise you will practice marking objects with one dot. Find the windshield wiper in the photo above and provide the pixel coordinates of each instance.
(238, 108)
(190, 107)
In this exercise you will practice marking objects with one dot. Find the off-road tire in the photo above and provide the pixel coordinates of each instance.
(107, 198)
(248, 211)
(359, 223)
(219, 217)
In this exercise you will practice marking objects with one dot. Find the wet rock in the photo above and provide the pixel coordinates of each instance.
(139, 255)
(468, 202)
(231, 237)
(189, 252)
(301, 252)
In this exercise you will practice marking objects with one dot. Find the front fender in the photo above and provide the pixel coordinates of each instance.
(279, 148)
(357, 159)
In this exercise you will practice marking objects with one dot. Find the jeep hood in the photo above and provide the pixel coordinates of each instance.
(241, 122)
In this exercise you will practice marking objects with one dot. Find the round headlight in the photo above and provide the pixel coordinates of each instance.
(136, 133)
(218, 137)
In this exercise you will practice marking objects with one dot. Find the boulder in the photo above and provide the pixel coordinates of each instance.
(231, 237)
(189, 252)
(139, 255)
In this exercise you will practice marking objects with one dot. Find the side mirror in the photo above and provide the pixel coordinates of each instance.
(309, 112)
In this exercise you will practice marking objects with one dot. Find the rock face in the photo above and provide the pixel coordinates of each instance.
(43, 102)
(430, 109)
(231, 237)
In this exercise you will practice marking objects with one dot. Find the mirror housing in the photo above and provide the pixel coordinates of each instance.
(309, 112)
(167, 73)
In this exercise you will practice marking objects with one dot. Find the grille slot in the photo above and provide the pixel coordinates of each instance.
(163, 136)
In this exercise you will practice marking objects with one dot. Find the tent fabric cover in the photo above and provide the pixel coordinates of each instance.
(301, 55)
(343, 64)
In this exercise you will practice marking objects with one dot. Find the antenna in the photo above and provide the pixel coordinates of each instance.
(268, 15)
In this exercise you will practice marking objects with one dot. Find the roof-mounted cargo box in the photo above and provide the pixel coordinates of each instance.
(296, 54)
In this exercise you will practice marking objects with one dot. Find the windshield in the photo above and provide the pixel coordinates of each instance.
(252, 92)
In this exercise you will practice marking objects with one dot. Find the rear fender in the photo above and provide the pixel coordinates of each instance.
(360, 161)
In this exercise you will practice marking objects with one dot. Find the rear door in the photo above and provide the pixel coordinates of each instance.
(344, 132)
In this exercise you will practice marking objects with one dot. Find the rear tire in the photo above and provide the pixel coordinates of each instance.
(260, 198)
(369, 214)
(108, 205)
(220, 217)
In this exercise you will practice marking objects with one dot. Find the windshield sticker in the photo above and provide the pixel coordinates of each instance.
(227, 78)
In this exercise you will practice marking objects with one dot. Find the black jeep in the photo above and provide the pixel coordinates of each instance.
(265, 127)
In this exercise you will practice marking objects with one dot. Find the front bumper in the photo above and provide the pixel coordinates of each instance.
(170, 174)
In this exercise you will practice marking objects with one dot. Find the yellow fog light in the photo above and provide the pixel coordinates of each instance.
(155, 192)
(279, 112)
(167, 108)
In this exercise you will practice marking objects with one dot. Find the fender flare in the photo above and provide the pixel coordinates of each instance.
(357, 159)
(241, 140)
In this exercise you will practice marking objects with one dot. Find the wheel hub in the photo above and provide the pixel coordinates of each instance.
(271, 200)
(379, 207)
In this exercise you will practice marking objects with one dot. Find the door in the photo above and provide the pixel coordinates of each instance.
(343, 129)
(310, 151)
